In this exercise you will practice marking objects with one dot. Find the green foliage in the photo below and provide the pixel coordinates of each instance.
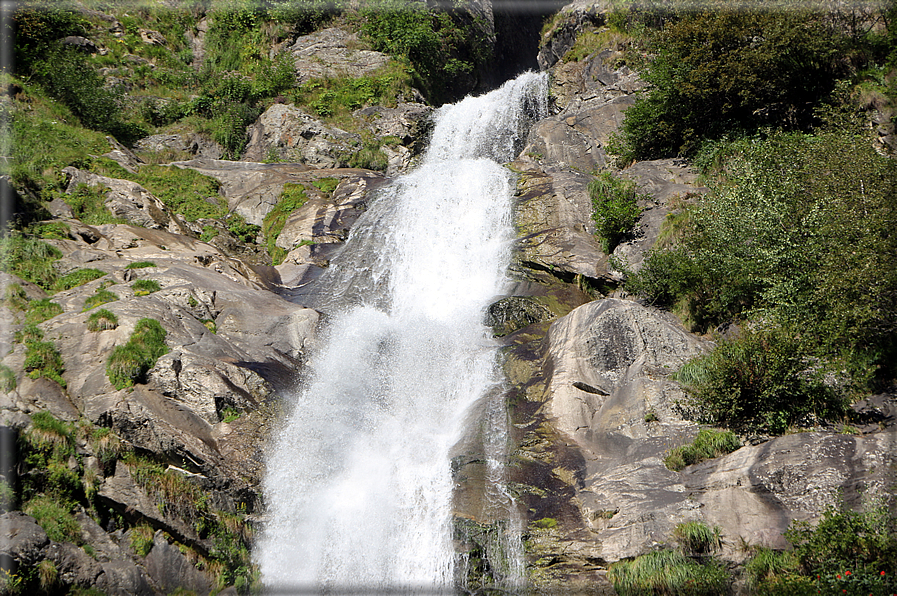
(242, 231)
(29, 332)
(305, 15)
(144, 287)
(49, 230)
(129, 363)
(708, 444)
(614, 208)
(766, 568)
(210, 325)
(141, 538)
(102, 320)
(88, 204)
(326, 185)
(16, 299)
(46, 449)
(101, 296)
(55, 517)
(140, 265)
(697, 538)
(38, 26)
(184, 191)
(41, 310)
(667, 572)
(7, 378)
(442, 49)
(106, 445)
(29, 259)
(762, 380)
(335, 98)
(292, 198)
(230, 414)
(731, 70)
(47, 574)
(42, 359)
(76, 278)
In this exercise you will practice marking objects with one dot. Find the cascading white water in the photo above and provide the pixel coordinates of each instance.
(359, 483)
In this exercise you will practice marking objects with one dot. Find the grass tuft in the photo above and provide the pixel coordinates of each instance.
(76, 278)
(102, 320)
(129, 363)
(145, 287)
(708, 444)
(101, 296)
(41, 310)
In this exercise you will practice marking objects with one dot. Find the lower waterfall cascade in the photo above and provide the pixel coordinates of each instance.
(359, 484)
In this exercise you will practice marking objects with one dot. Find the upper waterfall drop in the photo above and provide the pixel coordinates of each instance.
(359, 486)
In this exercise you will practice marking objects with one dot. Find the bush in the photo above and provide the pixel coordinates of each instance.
(101, 296)
(614, 208)
(76, 278)
(724, 71)
(56, 518)
(102, 320)
(760, 380)
(129, 363)
(707, 445)
(667, 572)
(144, 287)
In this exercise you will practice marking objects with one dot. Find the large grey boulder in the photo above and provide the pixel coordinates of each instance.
(331, 53)
(23, 540)
(195, 144)
(286, 133)
(171, 570)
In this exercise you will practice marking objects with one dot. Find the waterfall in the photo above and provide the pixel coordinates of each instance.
(359, 486)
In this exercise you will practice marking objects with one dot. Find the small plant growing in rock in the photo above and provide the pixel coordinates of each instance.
(210, 325)
(614, 209)
(651, 416)
(129, 363)
(141, 538)
(76, 278)
(47, 574)
(145, 287)
(696, 538)
(42, 359)
(102, 320)
(140, 265)
(55, 517)
(7, 378)
(708, 444)
(39, 311)
(30, 332)
(101, 296)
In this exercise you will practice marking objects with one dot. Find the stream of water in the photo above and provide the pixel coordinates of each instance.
(359, 486)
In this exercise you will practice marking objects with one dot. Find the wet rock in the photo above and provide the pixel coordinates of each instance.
(515, 312)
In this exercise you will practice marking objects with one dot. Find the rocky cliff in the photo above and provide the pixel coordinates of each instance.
(153, 467)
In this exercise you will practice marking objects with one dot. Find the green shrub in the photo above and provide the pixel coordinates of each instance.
(76, 278)
(101, 296)
(55, 517)
(47, 574)
(7, 378)
(766, 568)
(42, 359)
(242, 231)
(140, 265)
(29, 259)
(708, 444)
(667, 572)
(129, 363)
(144, 287)
(326, 185)
(336, 97)
(102, 320)
(49, 230)
(730, 70)
(28, 332)
(614, 208)
(759, 380)
(41, 310)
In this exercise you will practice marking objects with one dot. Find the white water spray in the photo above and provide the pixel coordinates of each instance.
(359, 486)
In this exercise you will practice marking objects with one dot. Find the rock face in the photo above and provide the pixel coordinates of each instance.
(332, 53)
(286, 133)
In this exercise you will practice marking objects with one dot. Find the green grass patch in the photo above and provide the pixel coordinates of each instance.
(49, 230)
(326, 185)
(145, 287)
(141, 539)
(28, 332)
(76, 278)
(667, 572)
(42, 359)
(335, 98)
(696, 538)
(291, 199)
(88, 204)
(708, 444)
(39, 311)
(29, 259)
(101, 296)
(102, 320)
(210, 325)
(129, 363)
(184, 191)
(140, 265)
